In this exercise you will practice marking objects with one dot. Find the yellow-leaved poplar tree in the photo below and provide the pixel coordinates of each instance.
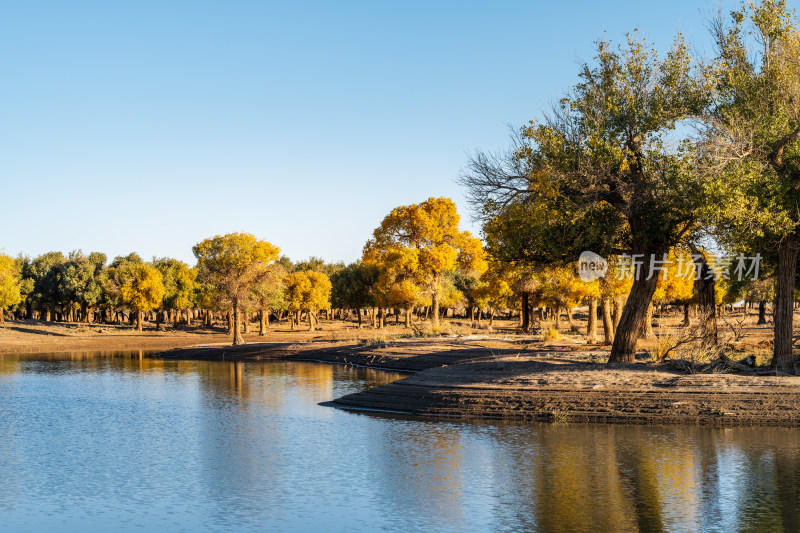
(9, 284)
(308, 291)
(232, 265)
(494, 290)
(142, 289)
(400, 279)
(563, 289)
(430, 231)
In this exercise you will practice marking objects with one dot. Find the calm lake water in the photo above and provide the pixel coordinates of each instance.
(108, 442)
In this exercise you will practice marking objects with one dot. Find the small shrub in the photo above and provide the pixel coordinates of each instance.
(664, 345)
(552, 334)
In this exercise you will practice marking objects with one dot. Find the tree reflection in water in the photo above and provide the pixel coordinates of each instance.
(95, 438)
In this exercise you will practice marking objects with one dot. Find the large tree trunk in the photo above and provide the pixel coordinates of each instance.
(686, 321)
(262, 323)
(647, 326)
(591, 326)
(139, 320)
(623, 350)
(619, 305)
(706, 299)
(435, 300)
(311, 320)
(783, 311)
(526, 316)
(237, 325)
(608, 321)
(408, 317)
(358, 312)
(762, 312)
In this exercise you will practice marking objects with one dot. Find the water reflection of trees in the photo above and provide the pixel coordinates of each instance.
(573, 477)
(618, 478)
(67, 362)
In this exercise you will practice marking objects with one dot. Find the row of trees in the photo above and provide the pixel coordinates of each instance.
(81, 288)
(417, 261)
(649, 152)
(417, 258)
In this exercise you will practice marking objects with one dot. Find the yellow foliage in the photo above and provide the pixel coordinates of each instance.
(494, 289)
(9, 282)
(618, 279)
(561, 287)
(232, 264)
(143, 288)
(552, 334)
(307, 291)
(450, 295)
(404, 294)
(676, 280)
(415, 246)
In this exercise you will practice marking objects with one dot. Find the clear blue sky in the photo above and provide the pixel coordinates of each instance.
(149, 125)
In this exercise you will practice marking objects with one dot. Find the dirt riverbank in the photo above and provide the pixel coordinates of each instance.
(468, 376)
(484, 378)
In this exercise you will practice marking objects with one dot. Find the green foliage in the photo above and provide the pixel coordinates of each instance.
(316, 264)
(82, 280)
(179, 282)
(601, 171)
(352, 287)
(750, 146)
(597, 173)
(43, 271)
(269, 293)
